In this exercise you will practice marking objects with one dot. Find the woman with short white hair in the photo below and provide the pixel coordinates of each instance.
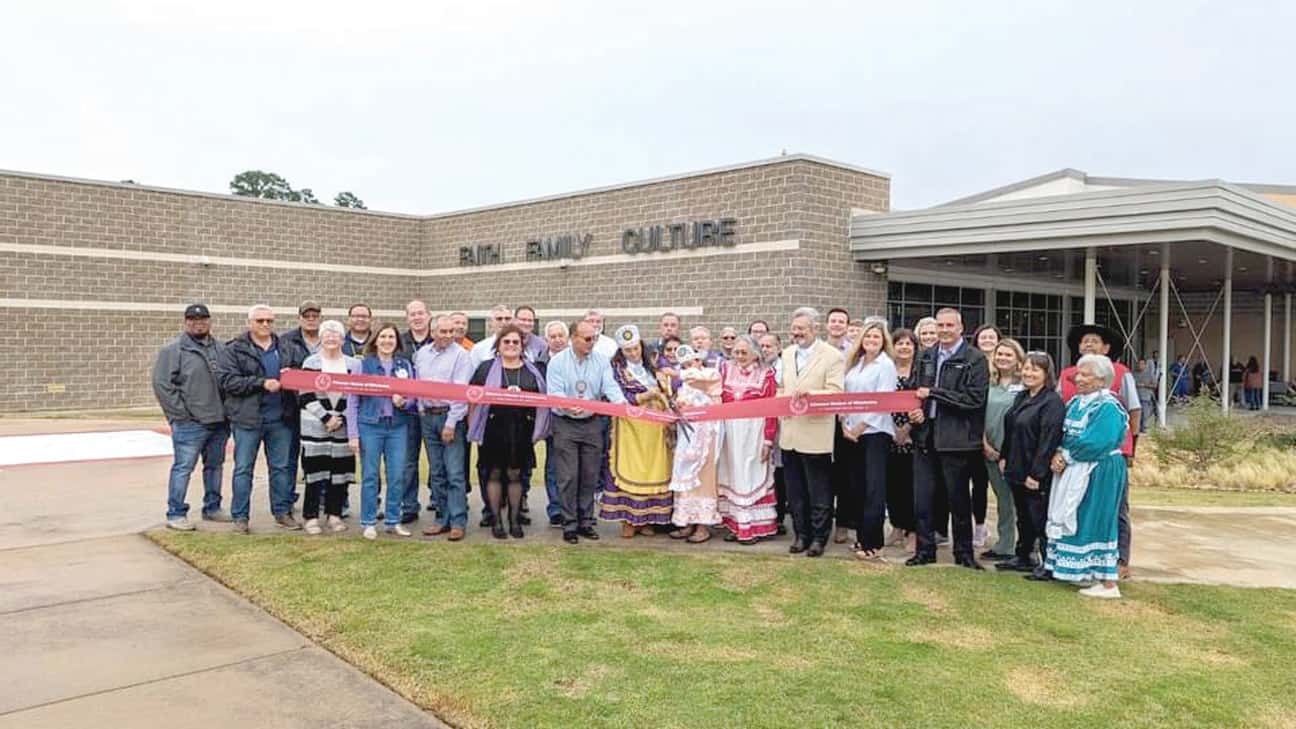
(1085, 502)
(327, 460)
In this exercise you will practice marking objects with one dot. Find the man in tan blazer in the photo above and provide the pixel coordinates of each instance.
(809, 367)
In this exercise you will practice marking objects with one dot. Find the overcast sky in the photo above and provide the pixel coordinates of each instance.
(435, 106)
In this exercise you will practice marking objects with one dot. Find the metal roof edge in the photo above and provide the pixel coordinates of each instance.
(1020, 185)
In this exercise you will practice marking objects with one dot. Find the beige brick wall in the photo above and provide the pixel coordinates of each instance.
(127, 230)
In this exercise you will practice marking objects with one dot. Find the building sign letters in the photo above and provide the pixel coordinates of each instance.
(646, 239)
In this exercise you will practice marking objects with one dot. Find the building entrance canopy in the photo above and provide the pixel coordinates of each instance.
(1067, 233)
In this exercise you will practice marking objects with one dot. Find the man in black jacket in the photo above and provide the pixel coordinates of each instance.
(296, 345)
(186, 386)
(411, 341)
(953, 378)
(260, 412)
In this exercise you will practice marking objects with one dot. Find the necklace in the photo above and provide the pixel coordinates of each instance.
(513, 378)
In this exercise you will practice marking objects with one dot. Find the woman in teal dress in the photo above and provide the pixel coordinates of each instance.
(1086, 497)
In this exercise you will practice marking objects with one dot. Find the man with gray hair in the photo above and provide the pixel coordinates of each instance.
(259, 412)
(953, 379)
(604, 345)
(810, 367)
(556, 337)
(700, 340)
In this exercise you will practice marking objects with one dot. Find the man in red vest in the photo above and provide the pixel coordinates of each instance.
(1094, 339)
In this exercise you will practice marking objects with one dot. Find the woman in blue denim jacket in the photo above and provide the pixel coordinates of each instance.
(377, 432)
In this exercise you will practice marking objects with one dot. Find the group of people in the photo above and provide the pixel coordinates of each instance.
(1052, 445)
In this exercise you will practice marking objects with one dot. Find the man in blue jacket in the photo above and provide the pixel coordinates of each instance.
(186, 385)
(260, 413)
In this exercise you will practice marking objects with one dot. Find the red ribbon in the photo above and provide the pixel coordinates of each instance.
(770, 407)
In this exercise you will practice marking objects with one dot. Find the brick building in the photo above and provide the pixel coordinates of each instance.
(94, 275)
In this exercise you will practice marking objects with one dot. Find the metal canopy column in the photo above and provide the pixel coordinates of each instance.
(1090, 285)
(1223, 379)
(1163, 314)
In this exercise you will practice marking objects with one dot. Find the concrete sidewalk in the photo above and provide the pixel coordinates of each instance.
(115, 632)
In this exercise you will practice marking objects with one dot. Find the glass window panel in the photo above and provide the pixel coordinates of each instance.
(973, 297)
(1003, 319)
(895, 290)
(1038, 301)
(914, 312)
(917, 292)
(972, 317)
(1037, 327)
(1020, 300)
(947, 296)
(1003, 299)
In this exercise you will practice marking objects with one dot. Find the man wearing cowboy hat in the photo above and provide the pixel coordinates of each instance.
(1096, 339)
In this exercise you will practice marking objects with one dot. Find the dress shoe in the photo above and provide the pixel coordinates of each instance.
(969, 562)
(409, 518)
(456, 534)
(487, 521)
(816, 550)
(524, 520)
(992, 555)
(627, 530)
(798, 546)
(570, 537)
(435, 529)
(1017, 565)
(588, 533)
(1040, 575)
(920, 559)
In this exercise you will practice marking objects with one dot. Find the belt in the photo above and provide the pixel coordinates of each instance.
(576, 420)
(438, 410)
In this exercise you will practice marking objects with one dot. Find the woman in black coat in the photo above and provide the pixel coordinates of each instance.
(1032, 434)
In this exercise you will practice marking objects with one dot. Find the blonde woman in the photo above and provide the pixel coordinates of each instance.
(869, 368)
(1006, 362)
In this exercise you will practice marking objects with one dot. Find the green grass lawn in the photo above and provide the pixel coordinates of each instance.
(556, 636)
(1150, 496)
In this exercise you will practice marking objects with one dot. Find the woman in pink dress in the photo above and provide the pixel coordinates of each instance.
(745, 474)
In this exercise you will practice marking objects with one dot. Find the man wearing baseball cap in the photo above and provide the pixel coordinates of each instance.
(296, 345)
(186, 386)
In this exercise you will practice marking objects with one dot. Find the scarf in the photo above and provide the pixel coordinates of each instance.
(495, 378)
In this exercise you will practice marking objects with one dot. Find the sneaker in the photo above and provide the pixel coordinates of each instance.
(979, 535)
(399, 530)
(241, 526)
(1103, 593)
(370, 532)
(312, 526)
(219, 515)
(180, 524)
(335, 524)
(286, 521)
(556, 522)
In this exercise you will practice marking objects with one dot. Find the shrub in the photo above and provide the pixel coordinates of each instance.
(1209, 437)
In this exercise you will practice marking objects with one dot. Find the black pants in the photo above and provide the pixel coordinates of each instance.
(868, 474)
(578, 450)
(947, 473)
(980, 489)
(844, 507)
(809, 494)
(1032, 512)
(780, 495)
(899, 490)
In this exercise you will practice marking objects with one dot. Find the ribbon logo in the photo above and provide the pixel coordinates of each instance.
(800, 405)
(323, 381)
(634, 411)
(474, 393)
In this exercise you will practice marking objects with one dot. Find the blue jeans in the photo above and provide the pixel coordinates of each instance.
(277, 438)
(553, 508)
(446, 464)
(190, 440)
(413, 442)
(384, 440)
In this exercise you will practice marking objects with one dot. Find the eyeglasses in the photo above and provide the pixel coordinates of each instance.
(264, 321)
(728, 339)
(510, 343)
(585, 339)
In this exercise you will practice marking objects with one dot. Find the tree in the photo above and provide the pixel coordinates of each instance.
(266, 185)
(349, 200)
(304, 195)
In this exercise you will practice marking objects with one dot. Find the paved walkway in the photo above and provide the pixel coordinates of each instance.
(100, 627)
